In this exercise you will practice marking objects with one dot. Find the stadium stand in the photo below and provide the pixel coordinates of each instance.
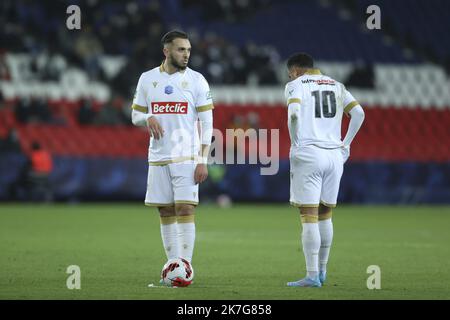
(401, 155)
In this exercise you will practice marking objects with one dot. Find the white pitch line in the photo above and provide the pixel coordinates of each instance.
(151, 285)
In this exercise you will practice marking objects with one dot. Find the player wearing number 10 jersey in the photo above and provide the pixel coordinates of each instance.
(316, 104)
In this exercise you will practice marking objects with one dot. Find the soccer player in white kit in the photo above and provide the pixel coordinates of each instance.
(175, 103)
(316, 104)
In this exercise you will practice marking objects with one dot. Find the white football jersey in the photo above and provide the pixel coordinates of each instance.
(316, 103)
(174, 100)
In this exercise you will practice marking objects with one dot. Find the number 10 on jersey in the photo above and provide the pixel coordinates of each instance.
(327, 104)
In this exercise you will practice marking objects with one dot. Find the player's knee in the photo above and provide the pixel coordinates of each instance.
(166, 211)
(185, 209)
(308, 211)
(325, 212)
(323, 209)
(309, 215)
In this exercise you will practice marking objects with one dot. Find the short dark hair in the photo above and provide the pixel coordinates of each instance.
(302, 60)
(172, 35)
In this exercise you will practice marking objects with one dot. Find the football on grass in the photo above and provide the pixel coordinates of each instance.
(177, 273)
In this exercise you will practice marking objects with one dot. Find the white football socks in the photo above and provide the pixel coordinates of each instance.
(311, 246)
(169, 235)
(326, 238)
(186, 236)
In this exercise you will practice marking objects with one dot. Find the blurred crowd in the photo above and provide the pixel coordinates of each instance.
(227, 10)
(132, 29)
(37, 110)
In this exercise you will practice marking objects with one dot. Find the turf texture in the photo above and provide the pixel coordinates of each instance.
(243, 252)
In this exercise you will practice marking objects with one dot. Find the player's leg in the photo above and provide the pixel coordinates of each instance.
(169, 231)
(186, 199)
(306, 184)
(326, 239)
(330, 189)
(186, 229)
(159, 194)
(310, 240)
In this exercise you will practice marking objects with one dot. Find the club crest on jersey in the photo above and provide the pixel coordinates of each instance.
(168, 89)
(155, 84)
(184, 84)
(169, 107)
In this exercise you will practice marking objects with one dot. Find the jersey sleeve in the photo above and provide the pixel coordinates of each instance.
(292, 94)
(203, 101)
(349, 101)
(139, 101)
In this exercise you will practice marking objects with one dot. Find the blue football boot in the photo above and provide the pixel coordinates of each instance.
(322, 277)
(306, 282)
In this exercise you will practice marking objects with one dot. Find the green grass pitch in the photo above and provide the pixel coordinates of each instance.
(243, 252)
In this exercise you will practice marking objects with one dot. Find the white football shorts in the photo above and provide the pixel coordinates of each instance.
(171, 184)
(315, 176)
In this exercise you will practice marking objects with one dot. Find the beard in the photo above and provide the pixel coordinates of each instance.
(176, 65)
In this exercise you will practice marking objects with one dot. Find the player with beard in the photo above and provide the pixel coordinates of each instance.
(175, 104)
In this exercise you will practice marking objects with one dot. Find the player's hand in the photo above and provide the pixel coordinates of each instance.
(201, 173)
(154, 128)
(345, 153)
